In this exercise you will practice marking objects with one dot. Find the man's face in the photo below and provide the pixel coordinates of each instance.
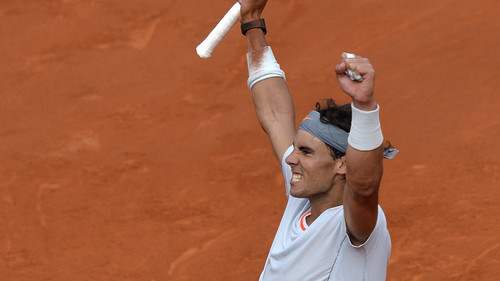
(313, 167)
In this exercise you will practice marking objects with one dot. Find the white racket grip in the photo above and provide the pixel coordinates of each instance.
(206, 47)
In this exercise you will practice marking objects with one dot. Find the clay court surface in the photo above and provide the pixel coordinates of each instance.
(124, 156)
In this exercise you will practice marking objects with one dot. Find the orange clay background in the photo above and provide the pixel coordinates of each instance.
(124, 156)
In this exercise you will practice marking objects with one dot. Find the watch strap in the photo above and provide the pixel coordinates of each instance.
(253, 24)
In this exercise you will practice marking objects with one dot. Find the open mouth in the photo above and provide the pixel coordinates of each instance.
(296, 177)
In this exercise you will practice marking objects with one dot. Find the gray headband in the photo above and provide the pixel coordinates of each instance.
(332, 135)
(327, 133)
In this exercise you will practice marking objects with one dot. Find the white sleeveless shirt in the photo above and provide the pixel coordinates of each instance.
(323, 251)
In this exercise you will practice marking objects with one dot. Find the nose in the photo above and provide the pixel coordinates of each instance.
(292, 158)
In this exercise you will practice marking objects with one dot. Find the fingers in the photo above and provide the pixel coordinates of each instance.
(340, 68)
(355, 67)
(251, 9)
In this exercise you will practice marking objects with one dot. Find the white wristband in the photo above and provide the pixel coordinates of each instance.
(262, 65)
(366, 133)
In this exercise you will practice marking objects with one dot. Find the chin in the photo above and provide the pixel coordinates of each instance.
(296, 193)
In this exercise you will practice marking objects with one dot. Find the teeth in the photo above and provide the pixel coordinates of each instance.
(296, 177)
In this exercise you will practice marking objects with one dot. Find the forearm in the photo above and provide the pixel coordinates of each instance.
(266, 80)
(272, 100)
(364, 153)
(363, 173)
(256, 39)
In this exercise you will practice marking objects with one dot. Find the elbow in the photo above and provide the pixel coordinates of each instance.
(362, 188)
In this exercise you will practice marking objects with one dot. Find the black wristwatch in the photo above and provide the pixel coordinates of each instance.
(253, 24)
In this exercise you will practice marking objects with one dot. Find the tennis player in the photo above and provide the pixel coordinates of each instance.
(333, 227)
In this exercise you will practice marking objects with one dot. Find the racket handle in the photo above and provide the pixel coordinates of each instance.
(206, 47)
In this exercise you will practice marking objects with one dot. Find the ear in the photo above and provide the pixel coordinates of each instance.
(341, 165)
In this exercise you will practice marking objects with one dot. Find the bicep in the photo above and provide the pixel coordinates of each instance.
(360, 215)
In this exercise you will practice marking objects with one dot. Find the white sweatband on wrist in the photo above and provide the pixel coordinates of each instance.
(262, 65)
(365, 133)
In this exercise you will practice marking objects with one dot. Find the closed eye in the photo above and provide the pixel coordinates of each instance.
(305, 150)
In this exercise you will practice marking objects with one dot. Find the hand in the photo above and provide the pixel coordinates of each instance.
(251, 9)
(361, 93)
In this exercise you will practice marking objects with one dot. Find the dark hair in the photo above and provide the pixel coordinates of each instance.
(336, 115)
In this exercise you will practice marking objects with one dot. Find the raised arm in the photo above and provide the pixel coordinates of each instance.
(272, 100)
(364, 153)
